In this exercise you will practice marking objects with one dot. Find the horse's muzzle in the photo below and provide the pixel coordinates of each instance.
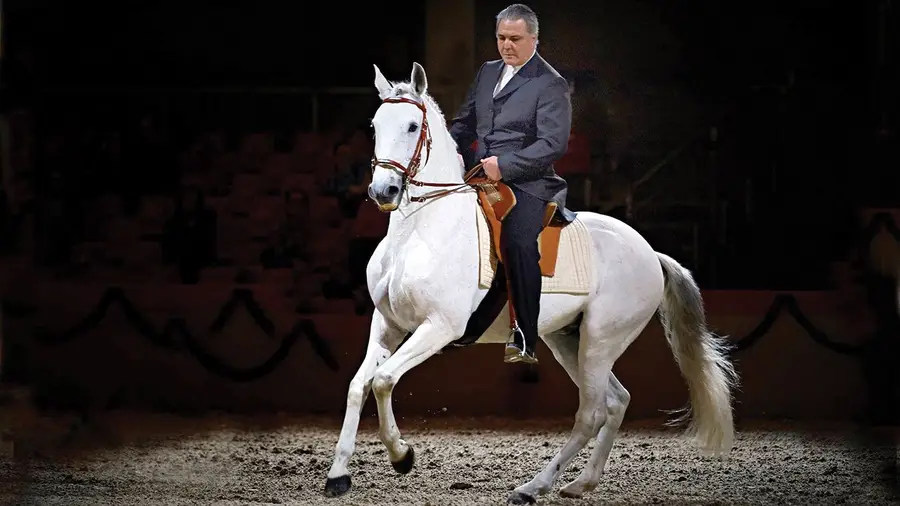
(387, 196)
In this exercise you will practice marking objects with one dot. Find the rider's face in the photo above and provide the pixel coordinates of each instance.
(514, 42)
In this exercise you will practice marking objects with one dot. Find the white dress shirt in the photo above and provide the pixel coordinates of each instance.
(507, 73)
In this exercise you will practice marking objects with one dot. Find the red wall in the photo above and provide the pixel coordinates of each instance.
(785, 374)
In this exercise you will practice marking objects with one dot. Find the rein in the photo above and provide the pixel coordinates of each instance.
(409, 171)
(456, 186)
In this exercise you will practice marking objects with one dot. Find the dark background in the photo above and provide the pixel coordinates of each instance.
(803, 95)
(810, 87)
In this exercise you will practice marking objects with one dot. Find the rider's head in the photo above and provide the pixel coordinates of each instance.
(517, 34)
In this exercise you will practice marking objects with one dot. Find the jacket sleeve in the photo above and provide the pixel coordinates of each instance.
(553, 120)
(462, 126)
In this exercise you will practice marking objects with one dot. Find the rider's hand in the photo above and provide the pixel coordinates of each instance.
(491, 169)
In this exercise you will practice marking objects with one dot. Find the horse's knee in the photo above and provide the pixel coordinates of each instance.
(356, 392)
(617, 400)
(383, 382)
(588, 422)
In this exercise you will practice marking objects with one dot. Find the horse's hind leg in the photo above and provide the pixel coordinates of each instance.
(617, 399)
(591, 416)
(600, 345)
(564, 346)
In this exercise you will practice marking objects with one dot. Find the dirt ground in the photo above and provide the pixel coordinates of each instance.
(148, 459)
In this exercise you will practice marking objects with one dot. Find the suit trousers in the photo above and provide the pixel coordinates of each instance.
(518, 239)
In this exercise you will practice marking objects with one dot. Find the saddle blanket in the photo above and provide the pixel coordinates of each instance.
(574, 265)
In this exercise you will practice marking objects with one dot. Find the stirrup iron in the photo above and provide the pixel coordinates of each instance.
(513, 354)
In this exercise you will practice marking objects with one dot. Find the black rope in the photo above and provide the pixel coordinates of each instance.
(243, 296)
(788, 303)
(175, 334)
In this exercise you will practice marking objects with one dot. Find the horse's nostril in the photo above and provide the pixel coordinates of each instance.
(393, 190)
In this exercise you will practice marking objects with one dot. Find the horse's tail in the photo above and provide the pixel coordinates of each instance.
(702, 358)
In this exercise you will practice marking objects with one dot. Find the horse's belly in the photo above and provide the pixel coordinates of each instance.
(556, 311)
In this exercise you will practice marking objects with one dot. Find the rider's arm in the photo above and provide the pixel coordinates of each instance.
(462, 126)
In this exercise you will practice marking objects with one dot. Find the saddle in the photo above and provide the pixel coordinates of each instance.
(497, 200)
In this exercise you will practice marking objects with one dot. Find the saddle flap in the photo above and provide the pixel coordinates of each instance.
(549, 213)
(497, 200)
(490, 197)
(496, 195)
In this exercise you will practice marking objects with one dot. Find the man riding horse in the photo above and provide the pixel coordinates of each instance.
(520, 112)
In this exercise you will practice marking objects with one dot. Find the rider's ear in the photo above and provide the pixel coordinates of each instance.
(418, 80)
(381, 84)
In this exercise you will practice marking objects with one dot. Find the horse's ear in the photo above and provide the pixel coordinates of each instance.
(381, 84)
(418, 80)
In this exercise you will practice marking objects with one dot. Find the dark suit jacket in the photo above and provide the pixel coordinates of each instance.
(526, 126)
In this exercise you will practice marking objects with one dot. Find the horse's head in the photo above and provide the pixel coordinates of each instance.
(402, 137)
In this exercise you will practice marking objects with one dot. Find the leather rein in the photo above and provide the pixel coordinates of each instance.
(415, 163)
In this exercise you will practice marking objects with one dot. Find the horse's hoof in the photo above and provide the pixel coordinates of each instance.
(335, 487)
(569, 495)
(405, 464)
(520, 498)
(576, 489)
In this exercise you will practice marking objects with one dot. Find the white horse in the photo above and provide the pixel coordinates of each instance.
(423, 280)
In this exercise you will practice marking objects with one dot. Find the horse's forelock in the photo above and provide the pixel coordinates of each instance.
(406, 90)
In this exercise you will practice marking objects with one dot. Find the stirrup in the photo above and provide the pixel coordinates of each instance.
(513, 354)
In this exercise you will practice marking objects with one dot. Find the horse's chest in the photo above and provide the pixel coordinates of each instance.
(427, 276)
(405, 287)
(403, 299)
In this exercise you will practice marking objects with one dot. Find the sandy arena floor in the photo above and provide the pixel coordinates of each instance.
(140, 459)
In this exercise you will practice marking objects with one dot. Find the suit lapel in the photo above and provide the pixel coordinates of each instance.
(519, 78)
(513, 84)
(494, 77)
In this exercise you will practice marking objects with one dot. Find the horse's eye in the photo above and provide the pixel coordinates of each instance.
(413, 127)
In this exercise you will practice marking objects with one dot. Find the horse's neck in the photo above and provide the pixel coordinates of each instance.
(438, 219)
(448, 212)
(443, 216)
(441, 165)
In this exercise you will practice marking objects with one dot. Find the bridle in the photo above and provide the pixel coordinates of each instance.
(415, 163)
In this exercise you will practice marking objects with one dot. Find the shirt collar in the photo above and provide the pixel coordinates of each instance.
(516, 69)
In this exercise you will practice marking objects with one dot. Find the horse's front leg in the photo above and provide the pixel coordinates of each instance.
(427, 340)
(383, 340)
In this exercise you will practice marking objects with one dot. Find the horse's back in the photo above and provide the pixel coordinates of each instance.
(607, 231)
(621, 253)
